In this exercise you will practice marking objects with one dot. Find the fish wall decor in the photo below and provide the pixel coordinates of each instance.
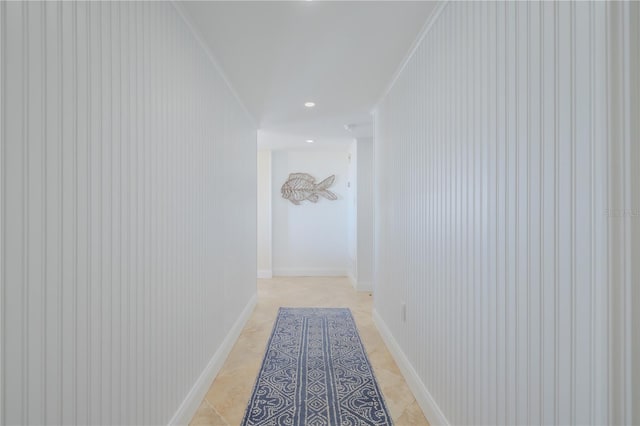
(303, 186)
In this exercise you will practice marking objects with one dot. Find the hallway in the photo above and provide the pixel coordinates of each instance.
(227, 398)
(483, 160)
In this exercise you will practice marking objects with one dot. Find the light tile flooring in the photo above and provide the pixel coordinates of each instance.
(227, 398)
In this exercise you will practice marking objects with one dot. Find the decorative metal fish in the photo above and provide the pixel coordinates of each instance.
(302, 186)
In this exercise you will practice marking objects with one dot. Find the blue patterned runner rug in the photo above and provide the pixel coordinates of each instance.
(315, 372)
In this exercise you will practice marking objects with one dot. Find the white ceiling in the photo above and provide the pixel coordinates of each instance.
(339, 54)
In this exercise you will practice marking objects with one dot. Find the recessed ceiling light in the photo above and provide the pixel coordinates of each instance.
(309, 104)
(309, 140)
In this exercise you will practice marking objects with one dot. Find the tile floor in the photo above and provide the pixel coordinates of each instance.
(227, 398)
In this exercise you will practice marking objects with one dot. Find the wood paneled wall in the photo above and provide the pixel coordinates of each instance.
(128, 211)
(504, 148)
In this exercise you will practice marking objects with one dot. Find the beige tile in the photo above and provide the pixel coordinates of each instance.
(395, 390)
(229, 394)
(206, 415)
(412, 416)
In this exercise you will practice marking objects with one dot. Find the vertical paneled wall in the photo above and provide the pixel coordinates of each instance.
(633, 17)
(493, 197)
(128, 212)
(623, 211)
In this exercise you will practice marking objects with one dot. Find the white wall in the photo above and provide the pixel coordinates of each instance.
(128, 214)
(352, 213)
(633, 179)
(310, 239)
(264, 214)
(494, 147)
(365, 216)
(360, 213)
(623, 211)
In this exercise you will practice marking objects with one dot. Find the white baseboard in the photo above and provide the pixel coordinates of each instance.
(265, 273)
(429, 407)
(364, 286)
(309, 272)
(191, 403)
(353, 280)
